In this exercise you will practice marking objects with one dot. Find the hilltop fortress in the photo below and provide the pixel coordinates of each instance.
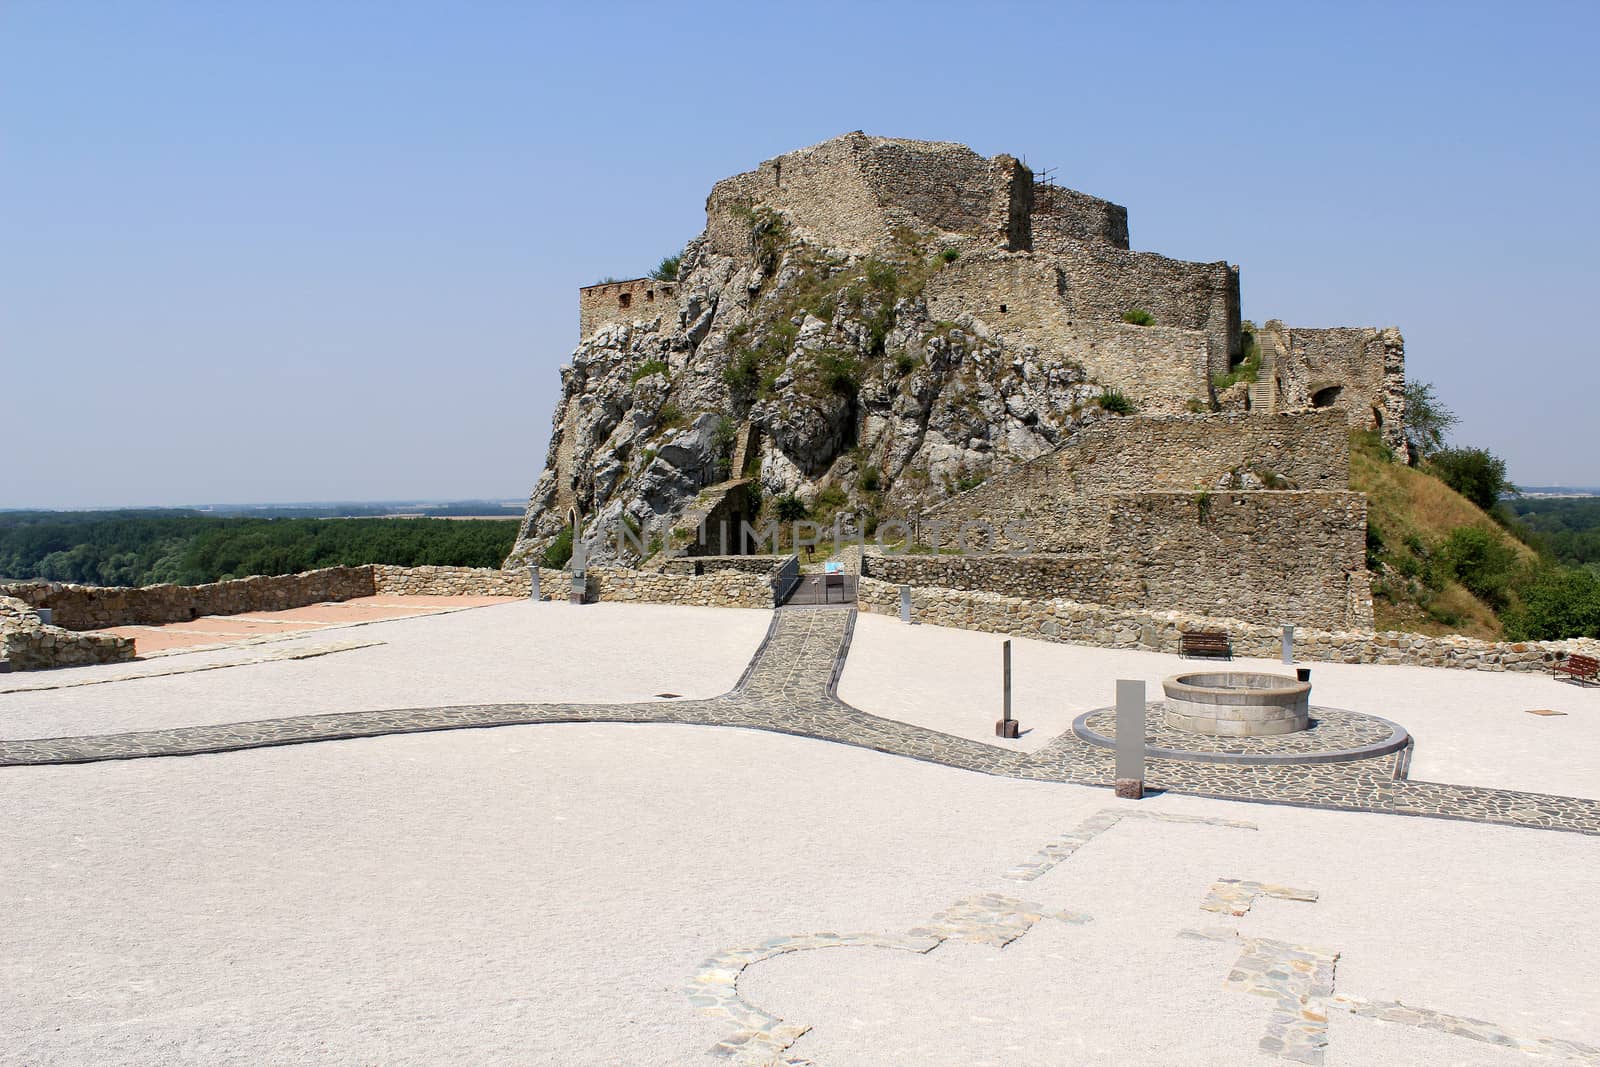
(883, 329)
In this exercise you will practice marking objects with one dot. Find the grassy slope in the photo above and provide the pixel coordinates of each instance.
(1413, 513)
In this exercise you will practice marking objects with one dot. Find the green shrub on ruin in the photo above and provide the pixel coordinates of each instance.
(667, 269)
(647, 368)
(1115, 401)
(559, 550)
(1138, 317)
(789, 508)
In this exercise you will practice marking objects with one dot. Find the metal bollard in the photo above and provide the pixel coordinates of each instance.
(1288, 644)
(905, 603)
(533, 582)
(1007, 726)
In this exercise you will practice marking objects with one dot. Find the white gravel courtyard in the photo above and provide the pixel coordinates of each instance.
(546, 894)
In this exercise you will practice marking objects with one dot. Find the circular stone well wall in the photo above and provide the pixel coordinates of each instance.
(1237, 703)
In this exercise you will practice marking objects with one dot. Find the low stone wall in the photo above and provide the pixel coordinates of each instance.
(390, 580)
(27, 644)
(87, 607)
(720, 589)
(1106, 627)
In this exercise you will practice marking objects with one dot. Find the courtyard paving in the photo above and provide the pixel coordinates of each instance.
(632, 888)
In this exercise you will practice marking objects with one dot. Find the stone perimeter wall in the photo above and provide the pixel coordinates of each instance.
(27, 644)
(88, 607)
(1067, 622)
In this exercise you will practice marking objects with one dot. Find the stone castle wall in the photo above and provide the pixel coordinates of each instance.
(1102, 282)
(1063, 495)
(1083, 576)
(1199, 552)
(853, 192)
(1062, 215)
(1159, 631)
(1163, 370)
(1269, 557)
(1359, 369)
(635, 300)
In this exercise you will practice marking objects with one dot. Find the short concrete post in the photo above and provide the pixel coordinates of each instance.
(1007, 726)
(580, 577)
(1288, 644)
(905, 603)
(533, 582)
(1130, 739)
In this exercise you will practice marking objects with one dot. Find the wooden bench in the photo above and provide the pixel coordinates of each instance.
(1585, 669)
(1210, 644)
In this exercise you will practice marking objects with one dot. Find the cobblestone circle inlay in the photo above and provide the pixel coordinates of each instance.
(1334, 736)
(789, 687)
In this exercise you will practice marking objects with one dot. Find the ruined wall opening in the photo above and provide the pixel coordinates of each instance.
(624, 300)
(1327, 397)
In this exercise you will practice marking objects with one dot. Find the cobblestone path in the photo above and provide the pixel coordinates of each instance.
(789, 688)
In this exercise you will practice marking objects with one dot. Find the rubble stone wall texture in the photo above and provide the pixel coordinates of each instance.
(1102, 282)
(1109, 627)
(391, 580)
(1163, 370)
(27, 644)
(1080, 576)
(720, 589)
(1062, 496)
(1197, 552)
(1271, 557)
(766, 566)
(83, 607)
(639, 299)
(853, 192)
(1061, 215)
(1360, 369)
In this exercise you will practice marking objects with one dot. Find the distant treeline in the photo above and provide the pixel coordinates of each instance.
(1569, 528)
(145, 547)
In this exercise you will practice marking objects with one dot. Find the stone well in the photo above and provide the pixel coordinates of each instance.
(1237, 703)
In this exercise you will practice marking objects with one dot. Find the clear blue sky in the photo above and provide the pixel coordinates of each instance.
(310, 251)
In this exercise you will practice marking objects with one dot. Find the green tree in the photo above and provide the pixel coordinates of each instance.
(1481, 561)
(667, 269)
(1557, 602)
(1475, 473)
(1428, 421)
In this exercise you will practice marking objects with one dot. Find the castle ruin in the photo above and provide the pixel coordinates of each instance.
(1011, 356)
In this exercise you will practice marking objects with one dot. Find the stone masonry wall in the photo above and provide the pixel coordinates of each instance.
(1108, 627)
(720, 589)
(27, 644)
(1163, 370)
(1357, 368)
(700, 565)
(1199, 552)
(391, 580)
(1101, 282)
(1061, 215)
(83, 607)
(1083, 576)
(1062, 495)
(852, 193)
(1269, 557)
(639, 299)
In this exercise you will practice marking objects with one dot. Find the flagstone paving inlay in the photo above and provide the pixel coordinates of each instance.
(789, 687)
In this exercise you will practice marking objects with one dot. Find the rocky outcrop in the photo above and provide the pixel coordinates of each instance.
(857, 398)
